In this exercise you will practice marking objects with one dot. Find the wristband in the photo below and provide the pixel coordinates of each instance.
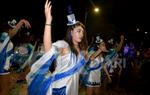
(48, 24)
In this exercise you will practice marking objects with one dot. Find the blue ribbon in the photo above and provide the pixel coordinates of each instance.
(39, 77)
(40, 84)
(3, 56)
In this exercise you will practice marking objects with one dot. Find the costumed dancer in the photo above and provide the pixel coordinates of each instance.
(113, 63)
(69, 55)
(22, 56)
(95, 66)
(6, 46)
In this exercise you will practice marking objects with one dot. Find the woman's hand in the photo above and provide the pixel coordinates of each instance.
(121, 37)
(26, 23)
(48, 15)
(47, 31)
(13, 32)
(109, 80)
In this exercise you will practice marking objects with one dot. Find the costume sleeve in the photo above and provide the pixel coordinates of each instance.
(41, 66)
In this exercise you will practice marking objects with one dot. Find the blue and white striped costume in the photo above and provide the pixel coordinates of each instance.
(111, 60)
(6, 49)
(94, 78)
(91, 74)
(63, 81)
(22, 56)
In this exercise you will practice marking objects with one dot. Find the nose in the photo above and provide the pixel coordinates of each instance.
(81, 34)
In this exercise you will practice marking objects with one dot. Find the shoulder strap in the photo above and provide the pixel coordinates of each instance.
(4, 44)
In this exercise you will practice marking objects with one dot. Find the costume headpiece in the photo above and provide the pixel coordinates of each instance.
(111, 41)
(98, 39)
(71, 17)
(12, 23)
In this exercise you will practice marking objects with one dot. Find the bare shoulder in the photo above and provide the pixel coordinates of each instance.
(63, 46)
(65, 51)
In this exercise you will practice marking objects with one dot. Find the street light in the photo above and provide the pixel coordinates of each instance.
(96, 10)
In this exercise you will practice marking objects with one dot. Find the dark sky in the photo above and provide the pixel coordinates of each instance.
(116, 17)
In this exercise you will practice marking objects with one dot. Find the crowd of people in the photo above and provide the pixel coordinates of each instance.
(68, 65)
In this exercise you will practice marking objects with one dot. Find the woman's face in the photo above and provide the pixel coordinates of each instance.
(102, 46)
(77, 34)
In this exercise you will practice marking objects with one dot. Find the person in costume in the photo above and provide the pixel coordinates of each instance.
(113, 63)
(22, 56)
(6, 45)
(69, 56)
(6, 48)
(114, 50)
(95, 66)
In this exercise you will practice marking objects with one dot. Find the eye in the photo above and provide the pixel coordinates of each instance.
(78, 31)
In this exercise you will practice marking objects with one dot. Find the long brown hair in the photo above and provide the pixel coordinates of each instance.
(83, 45)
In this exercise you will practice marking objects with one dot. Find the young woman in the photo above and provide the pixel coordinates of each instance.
(69, 55)
(94, 69)
(6, 45)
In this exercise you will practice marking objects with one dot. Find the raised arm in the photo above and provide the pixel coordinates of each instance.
(101, 48)
(119, 46)
(22, 22)
(94, 55)
(47, 30)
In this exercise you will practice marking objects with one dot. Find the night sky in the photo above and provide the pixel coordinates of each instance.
(116, 17)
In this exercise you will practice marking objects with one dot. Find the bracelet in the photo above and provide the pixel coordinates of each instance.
(49, 24)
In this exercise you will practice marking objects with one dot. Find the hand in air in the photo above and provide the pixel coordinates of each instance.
(26, 23)
(48, 15)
